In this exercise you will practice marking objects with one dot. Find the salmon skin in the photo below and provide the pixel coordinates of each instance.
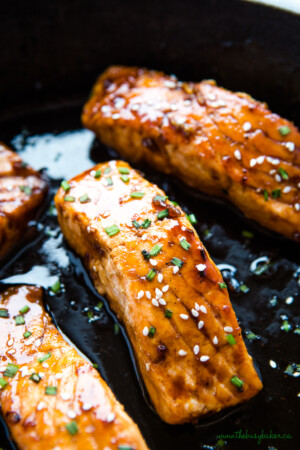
(22, 191)
(222, 143)
(50, 396)
(145, 256)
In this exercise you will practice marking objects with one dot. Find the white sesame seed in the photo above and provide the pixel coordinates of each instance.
(41, 406)
(87, 406)
(65, 396)
(24, 371)
(148, 294)
(204, 358)
(140, 294)
(195, 313)
(42, 375)
(237, 155)
(135, 106)
(153, 262)
(165, 288)
(286, 189)
(45, 365)
(169, 84)
(58, 376)
(200, 324)
(260, 159)
(201, 267)
(11, 352)
(182, 353)
(274, 161)
(272, 172)
(211, 97)
(146, 331)
(252, 162)
(162, 302)
(183, 228)
(155, 302)
(158, 293)
(105, 108)
(228, 329)
(290, 146)
(289, 300)
(297, 206)
(10, 342)
(203, 309)
(119, 102)
(277, 177)
(147, 365)
(71, 414)
(184, 316)
(215, 340)
(247, 126)
(160, 277)
(272, 364)
(196, 349)
(197, 307)
(111, 417)
(115, 116)
(175, 269)
(144, 237)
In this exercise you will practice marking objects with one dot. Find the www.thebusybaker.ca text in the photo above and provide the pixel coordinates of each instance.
(245, 434)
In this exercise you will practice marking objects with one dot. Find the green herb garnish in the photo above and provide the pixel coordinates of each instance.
(192, 218)
(116, 328)
(266, 195)
(151, 274)
(44, 357)
(109, 181)
(24, 310)
(84, 198)
(184, 244)
(124, 178)
(4, 313)
(26, 189)
(244, 288)
(97, 173)
(283, 173)
(72, 427)
(237, 382)
(155, 250)
(168, 313)
(146, 223)
(55, 288)
(222, 285)
(152, 331)
(19, 320)
(284, 131)
(162, 214)
(112, 230)
(177, 262)
(27, 334)
(65, 185)
(160, 198)
(35, 377)
(276, 193)
(230, 339)
(69, 198)
(3, 383)
(11, 370)
(51, 390)
(136, 224)
(107, 170)
(124, 170)
(247, 234)
(137, 194)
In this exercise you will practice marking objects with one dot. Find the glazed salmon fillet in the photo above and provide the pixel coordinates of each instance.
(22, 191)
(50, 396)
(145, 256)
(222, 143)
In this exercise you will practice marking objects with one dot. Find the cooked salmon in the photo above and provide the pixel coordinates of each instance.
(22, 191)
(50, 396)
(222, 143)
(143, 253)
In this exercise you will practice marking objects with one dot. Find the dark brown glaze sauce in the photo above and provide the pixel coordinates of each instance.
(55, 140)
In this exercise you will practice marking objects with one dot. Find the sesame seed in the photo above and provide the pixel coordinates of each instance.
(289, 300)
(155, 302)
(200, 324)
(145, 331)
(147, 365)
(158, 293)
(111, 417)
(228, 329)
(71, 414)
(201, 267)
(105, 108)
(183, 228)
(196, 349)
(252, 162)
(144, 237)
(41, 406)
(140, 294)
(203, 309)
(204, 358)
(65, 396)
(247, 126)
(215, 340)
(184, 316)
(153, 262)
(165, 288)
(197, 307)
(195, 313)
(58, 376)
(286, 189)
(238, 155)
(11, 352)
(182, 353)
(260, 159)
(45, 365)
(290, 146)
(170, 84)
(272, 364)
(277, 177)
(162, 302)
(148, 294)
(10, 342)
(297, 206)
(24, 370)
(160, 277)
(272, 172)
(87, 406)
(175, 269)
(274, 161)
(211, 97)
(115, 116)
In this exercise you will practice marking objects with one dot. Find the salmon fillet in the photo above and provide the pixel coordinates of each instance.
(22, 191)
(144, 255)
(51, 397)
(222, 143)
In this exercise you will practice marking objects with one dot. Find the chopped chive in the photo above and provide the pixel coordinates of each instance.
(168, 313)
(155, 250)
(109, 181)
(116, 328)
(151, 332)
(162, 214)
(192, 218)
(72, 427)
(65, 185)
(84, 198)
(285, 130)
(24, 310)
(244, 288)
(27, 334)
(26, 189)
(97, 173)
(297, 330)
(124, 170)
(112, 230)
(145, 254)
(35, 377)
(146, 223)
(124, 447)
(173, 203)
(247, 234)
(4, 313)
(90, 314)
(177, 262)
(124, 178)
(276, 193)
(251, 336)
(266, 195)
(107, 170)
(261, 268)
(69, 198)
(99, 305)
(286, 326)
(223, 285)
(136, 224)
(19, 320)
(51, 390)
(230, 339)
(44, 357)
(55, 288)
(3, 383)
(52, 211)
(160, 198)
(137, 194)
(283, 173)
(95, 365)
(151, 274)
(237, 382)
(11, 370)
(207, 233)
(184, 244)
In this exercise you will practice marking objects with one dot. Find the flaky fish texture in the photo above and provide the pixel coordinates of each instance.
(50, 396)
(145, 256)
(222, 143)
(22, 191)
